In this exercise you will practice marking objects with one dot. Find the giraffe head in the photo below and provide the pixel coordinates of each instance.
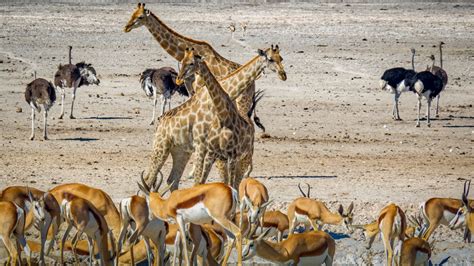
(274, 60)
(139, 16)
(188, 66)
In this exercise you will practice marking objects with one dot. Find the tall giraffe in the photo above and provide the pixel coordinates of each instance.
(184, 128)
(231, 134)
(175, 45)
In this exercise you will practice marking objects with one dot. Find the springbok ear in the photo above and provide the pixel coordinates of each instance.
(340, 210)
(277, 48)
(261, 52)
(350, 208)
(139, 4)
(143, 5)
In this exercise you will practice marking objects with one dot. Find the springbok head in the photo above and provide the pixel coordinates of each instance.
(347, 216)
(465, 214)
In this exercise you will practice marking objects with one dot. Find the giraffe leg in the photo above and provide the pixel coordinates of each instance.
(180, 160)
(199, 161)
(208, 162)
(158, 158)
(222, 169)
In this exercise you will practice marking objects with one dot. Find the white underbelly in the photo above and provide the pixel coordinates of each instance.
(302, 218)
(421, 258)
(197, 214)
(314, 260)
(273, 231)
(449, 216)
(92, 226)
(154, 227)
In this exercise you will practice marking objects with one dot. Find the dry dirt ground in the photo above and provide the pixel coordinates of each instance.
(330, 124)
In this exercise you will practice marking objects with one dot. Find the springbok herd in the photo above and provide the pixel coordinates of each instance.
(205, 222)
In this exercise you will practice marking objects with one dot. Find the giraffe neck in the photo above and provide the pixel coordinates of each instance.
(175, 44)
(222, 103)
(238, 81)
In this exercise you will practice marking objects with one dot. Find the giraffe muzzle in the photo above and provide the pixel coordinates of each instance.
(179, 81)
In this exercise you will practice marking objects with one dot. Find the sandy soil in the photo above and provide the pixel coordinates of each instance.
(329, 123)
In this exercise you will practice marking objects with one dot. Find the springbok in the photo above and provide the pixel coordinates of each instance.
(465, 215)
(437, 211)
(12, 220)
(40, 208)
(81, 214)
(199, 205)
(391, 224)
(275, 221)
(253, 197)
(135, 211)
(414, 250)
(310, 248)
(313, 212)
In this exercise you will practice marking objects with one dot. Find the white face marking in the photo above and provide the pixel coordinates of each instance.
(454, 221)
(197, 214)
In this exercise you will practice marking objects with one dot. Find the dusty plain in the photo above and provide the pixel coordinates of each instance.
(329, 123)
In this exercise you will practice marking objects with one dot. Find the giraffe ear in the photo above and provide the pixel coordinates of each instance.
(261, 52)
(198, 58)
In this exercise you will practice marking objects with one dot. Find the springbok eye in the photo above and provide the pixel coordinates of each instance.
(271, 60)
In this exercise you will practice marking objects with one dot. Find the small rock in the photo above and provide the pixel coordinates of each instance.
(19, 110)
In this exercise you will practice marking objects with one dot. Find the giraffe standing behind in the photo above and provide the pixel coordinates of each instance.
(184, 128)
(230, 135)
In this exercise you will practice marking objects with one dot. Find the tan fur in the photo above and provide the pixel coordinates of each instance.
(316, 211)
(410, 248)
(434, 209)
(254, 191)
(186, 126)
(296, 247)
(12, 224)
(217, 198)
(79, 215)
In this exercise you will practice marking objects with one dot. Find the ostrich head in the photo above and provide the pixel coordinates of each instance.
(138, 19)
(88, 74)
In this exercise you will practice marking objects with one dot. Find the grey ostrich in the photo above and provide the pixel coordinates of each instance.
(438, 71)
(40, 92)
(161, 81)
(74, 76)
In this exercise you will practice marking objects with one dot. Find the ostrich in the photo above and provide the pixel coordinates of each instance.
(424, 84)
(40, 92)
(161, 81)
(74, 76)
(438, 71)
(392, 80)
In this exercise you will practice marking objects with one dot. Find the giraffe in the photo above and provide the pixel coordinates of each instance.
(175, 45)
(231, 134)
(184, 128)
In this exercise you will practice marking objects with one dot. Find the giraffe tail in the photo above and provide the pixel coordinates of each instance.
(253, 109)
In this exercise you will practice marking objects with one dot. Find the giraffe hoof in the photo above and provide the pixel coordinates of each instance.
(60, 117)
(71, 117)
(437, 116)
(46, 138)
(429, 125)
(417, 125)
